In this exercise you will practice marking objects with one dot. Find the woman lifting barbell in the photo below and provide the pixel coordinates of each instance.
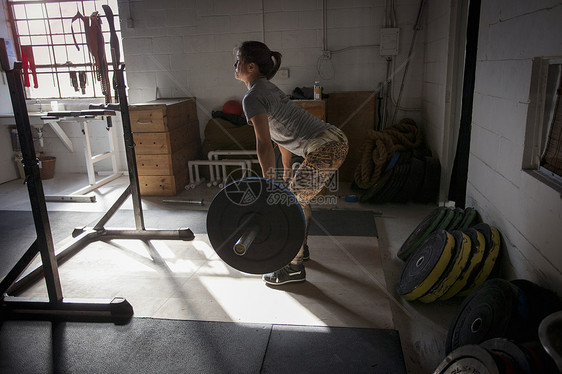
(295, 131)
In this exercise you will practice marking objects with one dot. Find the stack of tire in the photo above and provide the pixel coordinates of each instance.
(497, 328)
(407, 177)
(454, 259)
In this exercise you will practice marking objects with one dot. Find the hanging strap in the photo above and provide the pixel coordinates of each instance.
(78, 15)
(83, 80)
(73, 80)
(95, 43)
(29, 65)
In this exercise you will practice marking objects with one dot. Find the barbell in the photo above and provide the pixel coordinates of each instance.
(255, 225)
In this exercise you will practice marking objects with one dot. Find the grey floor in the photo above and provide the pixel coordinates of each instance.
(350, 281)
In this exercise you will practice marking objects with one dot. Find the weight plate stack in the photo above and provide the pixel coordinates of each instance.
(461, 256)
(447, 219)
(470, 218)
(493, 244)
(485, 314)
(511, 354)
(457, 219)
(270, 206)
(426, 265)
(388, 189)
(535, 304)
(413, 181)
(468, 359)
(375, 189)
(540, 361)
(395, 182)
(393, 160)
(484, 269)
(429, 188)
(421, 232)
(477, 248)
(399, 196)
(498, 355)
(405, 157)
(402, 175)
(440, 218)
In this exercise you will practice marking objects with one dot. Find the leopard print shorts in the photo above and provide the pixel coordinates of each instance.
(323, 157)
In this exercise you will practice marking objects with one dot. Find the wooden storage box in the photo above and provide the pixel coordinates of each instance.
(315, 107)
(166, 137)
(355, 113)
(165, 164)
(162, 115)
(157, 143)
(162, 185)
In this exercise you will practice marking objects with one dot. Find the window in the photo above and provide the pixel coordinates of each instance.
(551, 158)
(45, 42)
(542, 156)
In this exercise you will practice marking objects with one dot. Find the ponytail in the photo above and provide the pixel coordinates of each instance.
(276, 56)
(268, 62)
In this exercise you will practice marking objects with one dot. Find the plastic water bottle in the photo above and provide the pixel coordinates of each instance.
(317, 91)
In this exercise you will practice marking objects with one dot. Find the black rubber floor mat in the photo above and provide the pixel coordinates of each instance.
(317, 349)
(343, 223)
(145, 345)
(148, 345)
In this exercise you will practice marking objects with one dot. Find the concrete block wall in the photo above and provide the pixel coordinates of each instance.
(527, 212)
(437, 85)
(186, 48)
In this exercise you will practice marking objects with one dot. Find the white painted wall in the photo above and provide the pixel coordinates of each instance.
(528, 213)
(8, 169)
(185, 48)
(445, 32)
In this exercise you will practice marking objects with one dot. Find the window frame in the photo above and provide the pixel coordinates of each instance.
(537, 127)
(56, 69)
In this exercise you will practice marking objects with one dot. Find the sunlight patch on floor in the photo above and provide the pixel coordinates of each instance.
(250, 300)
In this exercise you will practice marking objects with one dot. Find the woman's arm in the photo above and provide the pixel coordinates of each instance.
(286, 157)
(264, 147)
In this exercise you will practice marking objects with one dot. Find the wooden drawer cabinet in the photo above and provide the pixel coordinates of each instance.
(162, 185)
(166, 137)
(158, 143)
(165, 164)
(315, 107)
(162, 115)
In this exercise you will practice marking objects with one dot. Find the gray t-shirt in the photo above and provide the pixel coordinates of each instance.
(290, 126)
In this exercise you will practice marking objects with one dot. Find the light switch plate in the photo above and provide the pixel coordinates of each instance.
(389, 41)
(283, 74)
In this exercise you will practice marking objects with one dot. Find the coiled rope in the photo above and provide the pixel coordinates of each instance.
(379, 147)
